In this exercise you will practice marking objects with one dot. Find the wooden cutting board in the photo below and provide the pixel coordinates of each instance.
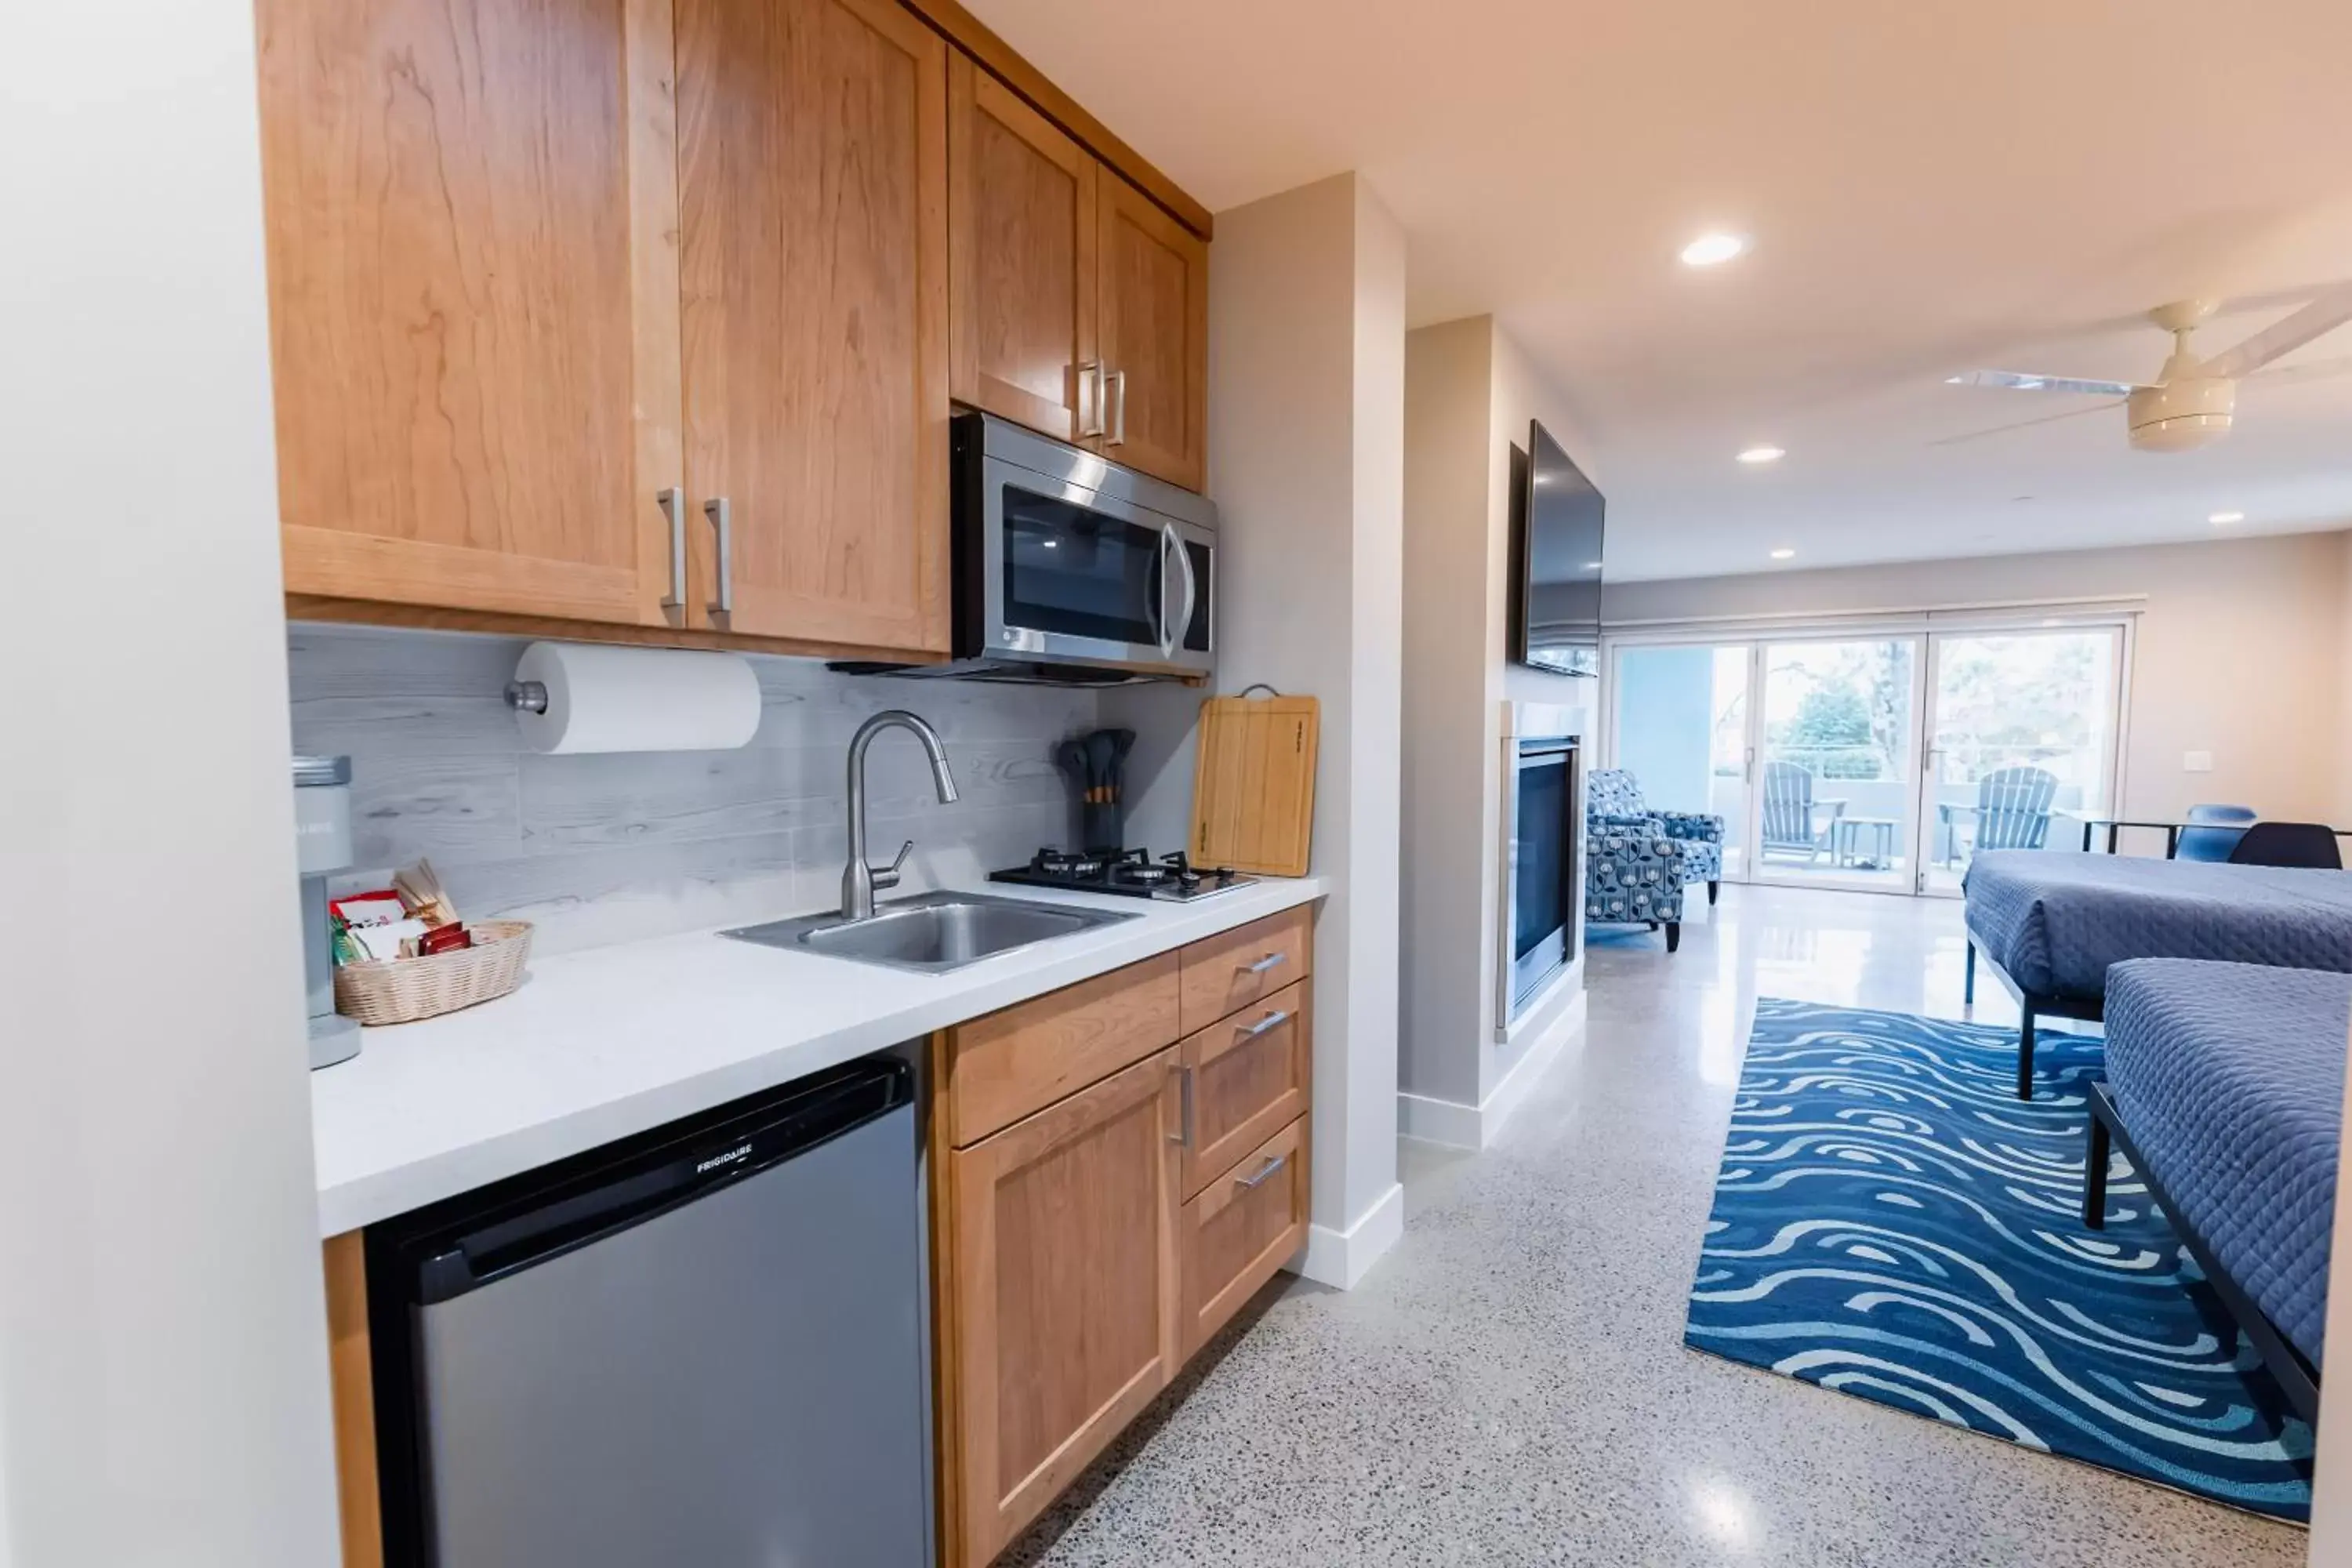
(1254, 783)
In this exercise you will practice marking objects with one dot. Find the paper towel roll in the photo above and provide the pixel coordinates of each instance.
(603, 698)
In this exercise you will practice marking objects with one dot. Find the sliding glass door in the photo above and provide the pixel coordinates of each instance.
(1834, 793)
(2022, 738)
(1882, 760)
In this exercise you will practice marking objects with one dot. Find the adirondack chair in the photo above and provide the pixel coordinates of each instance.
(2011, 812)
(1789, 809)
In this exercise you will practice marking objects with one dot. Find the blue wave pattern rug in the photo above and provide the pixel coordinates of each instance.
(1891, 1221)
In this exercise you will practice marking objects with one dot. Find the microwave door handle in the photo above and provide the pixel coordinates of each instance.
(1170, 630)
(1183, 628)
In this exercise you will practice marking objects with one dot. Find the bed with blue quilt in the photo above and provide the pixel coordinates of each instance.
(2225, 1089)
(2051, 924)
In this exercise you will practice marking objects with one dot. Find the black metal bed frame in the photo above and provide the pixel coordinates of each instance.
(2297, 1378)
(2030, 1006)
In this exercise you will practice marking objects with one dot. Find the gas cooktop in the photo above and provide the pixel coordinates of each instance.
(1133, 872)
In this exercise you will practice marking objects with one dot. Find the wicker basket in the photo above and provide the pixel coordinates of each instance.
(404, 990)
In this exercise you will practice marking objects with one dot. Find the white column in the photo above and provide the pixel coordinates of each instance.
(162, 1345)
(1305, 461)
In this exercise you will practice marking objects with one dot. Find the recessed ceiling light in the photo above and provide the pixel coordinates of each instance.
(1762, 455)
(1784, 553)
(2221, 518)
(1714, 249)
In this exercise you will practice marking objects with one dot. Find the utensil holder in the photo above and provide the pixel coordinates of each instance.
(1102, 824)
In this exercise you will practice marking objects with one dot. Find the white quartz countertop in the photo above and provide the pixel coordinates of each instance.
(611, 1041)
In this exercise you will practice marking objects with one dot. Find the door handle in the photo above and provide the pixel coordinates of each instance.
(672, 502)
(1117, 436)
(717, 510)
(1272, 1162)
(1090, 408)
(1184, 1106)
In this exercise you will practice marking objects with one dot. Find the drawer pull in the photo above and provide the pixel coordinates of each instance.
(1184, 1113)
(1251, 1031)
(1270, 961)
(1273, 1162)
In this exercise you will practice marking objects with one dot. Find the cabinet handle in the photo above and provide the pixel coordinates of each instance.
(721, 517)
(1184, 1106)
(1268, 962)
(1117, 436)
(1272, 1020)
(1272, 1162)
(1090, 408)
(673, 505)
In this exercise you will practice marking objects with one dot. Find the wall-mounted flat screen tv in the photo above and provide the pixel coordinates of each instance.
(1556, 555)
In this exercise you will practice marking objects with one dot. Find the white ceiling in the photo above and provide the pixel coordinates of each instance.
(1932, 187)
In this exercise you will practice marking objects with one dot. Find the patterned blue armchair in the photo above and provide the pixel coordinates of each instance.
(1634, 874)
(1614, 796)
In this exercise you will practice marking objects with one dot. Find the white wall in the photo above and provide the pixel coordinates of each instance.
(2240, 650)
(1470, 393)
(1306, 437)
(162, 1340)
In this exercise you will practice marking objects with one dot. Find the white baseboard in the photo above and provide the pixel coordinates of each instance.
(1340, 1258)
(1460, 1126)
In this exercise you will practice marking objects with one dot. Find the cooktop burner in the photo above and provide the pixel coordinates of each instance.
(1133, 872)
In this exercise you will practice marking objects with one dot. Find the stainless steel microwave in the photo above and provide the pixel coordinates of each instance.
(1070, 569)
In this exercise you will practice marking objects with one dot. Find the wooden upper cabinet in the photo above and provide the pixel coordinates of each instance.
(473, 326)
(1065, 1296)
(1153, 326)
(813, 272)
(1020, 242)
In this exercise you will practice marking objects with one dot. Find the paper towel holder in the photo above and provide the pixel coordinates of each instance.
(527, 696)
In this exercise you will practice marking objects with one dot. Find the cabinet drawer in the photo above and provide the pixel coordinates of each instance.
(1240, 1231)
(1244, 1077)
(1224, 973)
(1009, 1064)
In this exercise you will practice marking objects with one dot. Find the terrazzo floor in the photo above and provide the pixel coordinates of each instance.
(1509, 1384)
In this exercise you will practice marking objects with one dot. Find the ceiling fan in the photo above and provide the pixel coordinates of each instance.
(2192, 402)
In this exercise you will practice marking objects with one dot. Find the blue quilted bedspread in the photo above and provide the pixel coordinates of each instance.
(2230, 1077)
(2055, 920)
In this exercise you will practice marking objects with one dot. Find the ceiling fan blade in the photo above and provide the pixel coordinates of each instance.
(2024, 424)
(2313, 370)
(2330, 311)
(2020, 381)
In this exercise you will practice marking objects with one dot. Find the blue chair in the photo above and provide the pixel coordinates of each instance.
(1634, 876)
(2214, 842)
(1614, 796)
(1789, 826)
(2011, 812)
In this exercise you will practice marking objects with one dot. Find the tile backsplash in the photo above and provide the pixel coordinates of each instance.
(611, 848)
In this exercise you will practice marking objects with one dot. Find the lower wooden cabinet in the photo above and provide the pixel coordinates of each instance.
(1105, 1196)
(1064, 1292)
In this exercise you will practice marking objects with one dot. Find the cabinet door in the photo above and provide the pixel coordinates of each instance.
(1021, 245)
(1066, 1293)
(473, 302)
(1154, 337)
(813, 231)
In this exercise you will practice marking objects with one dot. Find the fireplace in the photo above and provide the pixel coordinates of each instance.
(1542, 879)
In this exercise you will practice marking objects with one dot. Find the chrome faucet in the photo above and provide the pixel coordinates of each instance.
(858, 880)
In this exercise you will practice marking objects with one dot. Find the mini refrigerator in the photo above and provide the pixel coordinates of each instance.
(703, 1346)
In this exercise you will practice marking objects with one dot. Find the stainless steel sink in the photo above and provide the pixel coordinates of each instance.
(932, 933)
